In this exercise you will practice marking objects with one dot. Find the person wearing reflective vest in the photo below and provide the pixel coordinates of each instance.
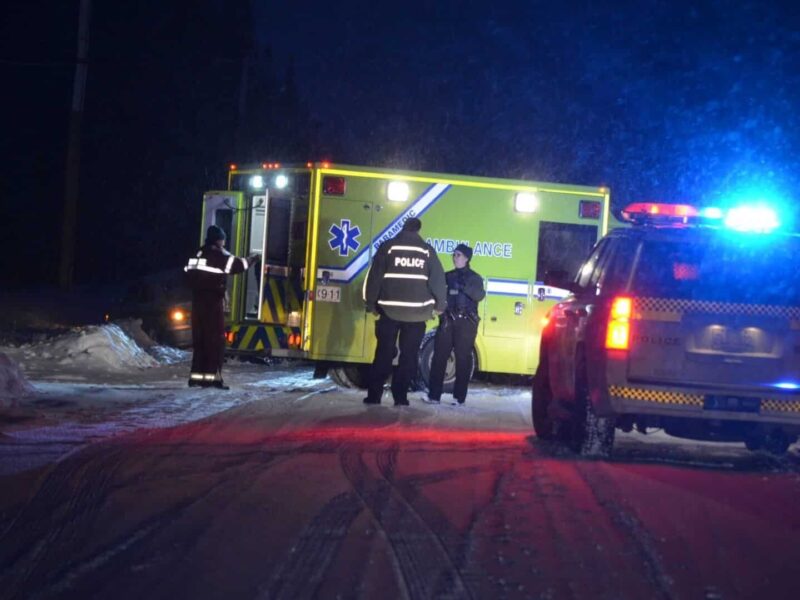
(405, 287)
(207, 275)
(458, 327)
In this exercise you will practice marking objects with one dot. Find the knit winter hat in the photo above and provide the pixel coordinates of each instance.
(214, 234)
(465, 250)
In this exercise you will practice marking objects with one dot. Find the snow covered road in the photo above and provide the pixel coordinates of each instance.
(298, 490)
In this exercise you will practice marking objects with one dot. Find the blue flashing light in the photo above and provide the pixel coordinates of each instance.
(712, 212)
(754, 219)
(787, 385)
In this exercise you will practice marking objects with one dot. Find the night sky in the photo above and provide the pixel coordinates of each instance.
(672, 100)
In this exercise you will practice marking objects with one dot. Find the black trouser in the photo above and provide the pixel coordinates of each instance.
(386, 332)
(454, 334)
(208, 337)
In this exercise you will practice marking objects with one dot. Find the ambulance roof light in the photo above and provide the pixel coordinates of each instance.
(397, 191)
(256, 182)
(232, 167)
(526, 202)
(281, 181)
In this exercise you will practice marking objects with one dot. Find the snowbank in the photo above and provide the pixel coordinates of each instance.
(12, 382)
(103, 348)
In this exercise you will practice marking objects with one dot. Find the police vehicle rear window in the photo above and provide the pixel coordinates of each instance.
(747, 269)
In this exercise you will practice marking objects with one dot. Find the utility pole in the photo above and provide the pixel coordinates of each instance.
(69, 224)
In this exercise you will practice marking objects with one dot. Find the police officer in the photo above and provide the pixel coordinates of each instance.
(207, 273)
(405, 287)
(458, 326)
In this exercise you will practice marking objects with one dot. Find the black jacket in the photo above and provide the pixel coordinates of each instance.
(406, 280)
(208, 271)
(464, 290)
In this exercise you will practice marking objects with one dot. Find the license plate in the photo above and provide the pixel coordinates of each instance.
(329, 293)
(732, 403)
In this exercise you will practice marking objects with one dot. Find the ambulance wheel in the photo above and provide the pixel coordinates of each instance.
(541, 396)
(424, 364)
(350, 376)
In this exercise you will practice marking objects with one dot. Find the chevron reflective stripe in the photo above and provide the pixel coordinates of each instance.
(412, 304)
(404, 276)
(410, 249)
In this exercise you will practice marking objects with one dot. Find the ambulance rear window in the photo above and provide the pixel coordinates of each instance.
(725, 269)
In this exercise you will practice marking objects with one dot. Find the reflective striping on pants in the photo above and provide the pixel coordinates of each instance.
(203, 376)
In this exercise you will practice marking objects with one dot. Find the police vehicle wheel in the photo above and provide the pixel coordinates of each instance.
(585, 432)
(777, 443)
(540, 402)
(424, 366)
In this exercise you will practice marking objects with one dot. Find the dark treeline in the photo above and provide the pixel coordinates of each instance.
(674, 100)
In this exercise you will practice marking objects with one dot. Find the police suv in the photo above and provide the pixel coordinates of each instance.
(689, 321)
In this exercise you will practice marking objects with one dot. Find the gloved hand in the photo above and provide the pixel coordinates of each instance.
(253, 259)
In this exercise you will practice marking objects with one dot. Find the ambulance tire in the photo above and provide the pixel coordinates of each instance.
(541, 396)
(422, 383)
(350, 376)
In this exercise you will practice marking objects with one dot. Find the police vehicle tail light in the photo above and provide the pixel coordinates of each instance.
(526, 202)
(333, 186)
(397, 191)
(619, 324)
(230, 337)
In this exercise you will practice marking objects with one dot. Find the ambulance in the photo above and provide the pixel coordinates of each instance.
(318, 225)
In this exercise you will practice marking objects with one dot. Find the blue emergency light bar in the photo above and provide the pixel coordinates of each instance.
(752, 218)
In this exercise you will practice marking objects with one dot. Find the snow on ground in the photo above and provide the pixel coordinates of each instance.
(97, 382)
(97, 347)
(13, 383)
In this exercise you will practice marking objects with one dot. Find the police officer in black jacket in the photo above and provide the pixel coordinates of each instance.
(207, 273)
(458, 326)
(405, 286)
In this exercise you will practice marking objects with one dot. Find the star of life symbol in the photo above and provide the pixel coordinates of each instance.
(345, 237)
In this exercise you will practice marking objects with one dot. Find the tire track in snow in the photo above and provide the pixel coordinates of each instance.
(421, 558)
(630, 524)
(304, 568)
(54, 523)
